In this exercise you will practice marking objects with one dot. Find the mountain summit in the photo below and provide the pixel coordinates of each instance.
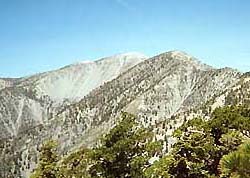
(78, 103)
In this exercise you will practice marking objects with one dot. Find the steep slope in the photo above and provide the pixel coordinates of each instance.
(75, 81)
(156, 90)
(31, 101)
(238, 94)
(234, 95)
(7, 82)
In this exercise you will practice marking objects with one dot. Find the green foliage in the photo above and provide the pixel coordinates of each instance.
(47, 166)
(75, 165)
(204, 149)
(124, 151)
(237, 163)
(201, 144)
(160, 168)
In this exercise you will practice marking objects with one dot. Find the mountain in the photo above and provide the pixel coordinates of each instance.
(75, 81)
(32, 100)
(162, 91)
(155, 90)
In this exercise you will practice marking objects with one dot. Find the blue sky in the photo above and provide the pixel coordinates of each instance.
(40, 35)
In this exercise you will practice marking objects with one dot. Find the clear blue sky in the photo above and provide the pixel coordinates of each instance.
(40, 35)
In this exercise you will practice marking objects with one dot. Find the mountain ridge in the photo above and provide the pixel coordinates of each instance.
(155, 89)
(33, 94)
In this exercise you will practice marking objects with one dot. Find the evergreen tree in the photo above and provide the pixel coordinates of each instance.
(201, 144)
(47, 166)
(237, 163)
(75, 165)
(204, 149)
(160, 168)
(124, 151)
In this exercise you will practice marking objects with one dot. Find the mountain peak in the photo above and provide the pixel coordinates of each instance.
(178, 52)
(116, 58)
(78, 103)
(180, 55)
(131, 54)
(122, 57)
(75, 81)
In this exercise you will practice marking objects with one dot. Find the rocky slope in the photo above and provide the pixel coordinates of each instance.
(29, 102)
(32, 100)
(7, 82)
(75, 81)
(162, 91)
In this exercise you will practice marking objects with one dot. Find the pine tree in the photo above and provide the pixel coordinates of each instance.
(124, 151)
(47, 166)
(75, 165)
(201, 145)
(237, 163)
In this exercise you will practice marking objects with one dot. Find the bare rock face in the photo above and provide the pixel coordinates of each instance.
(78, 103)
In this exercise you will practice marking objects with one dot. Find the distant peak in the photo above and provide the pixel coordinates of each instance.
(185, 57)
(180, 54)
(177, 52)
(130, 54)
(122, 57)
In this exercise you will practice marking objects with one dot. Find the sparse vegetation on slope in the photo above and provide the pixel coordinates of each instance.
(218, 147)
